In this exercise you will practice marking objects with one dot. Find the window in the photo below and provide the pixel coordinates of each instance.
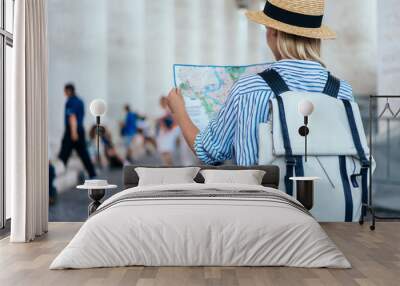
(6, 43)
(9, 15)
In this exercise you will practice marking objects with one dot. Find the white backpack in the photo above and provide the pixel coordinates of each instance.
(337, 150)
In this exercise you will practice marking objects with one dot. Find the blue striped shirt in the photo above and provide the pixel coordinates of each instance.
(233, 134)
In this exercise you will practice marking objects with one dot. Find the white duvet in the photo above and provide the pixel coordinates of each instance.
(202, 231)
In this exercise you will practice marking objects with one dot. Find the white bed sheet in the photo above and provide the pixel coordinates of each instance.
(200, 232)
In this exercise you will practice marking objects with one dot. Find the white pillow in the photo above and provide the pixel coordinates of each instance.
(166, 176)
(247, 177)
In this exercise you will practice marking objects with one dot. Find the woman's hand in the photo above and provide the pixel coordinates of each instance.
(176, 103)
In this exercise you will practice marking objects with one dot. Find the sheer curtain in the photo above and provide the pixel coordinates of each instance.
(27, 123)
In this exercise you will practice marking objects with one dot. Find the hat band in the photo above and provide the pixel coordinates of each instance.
(292, 18)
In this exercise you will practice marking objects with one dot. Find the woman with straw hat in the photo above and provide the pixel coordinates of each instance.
(294, 34)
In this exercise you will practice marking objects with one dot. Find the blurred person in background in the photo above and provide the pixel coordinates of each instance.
(167, 133)
(114, 161)
(145, 130)
(129, 130)
(74, 135)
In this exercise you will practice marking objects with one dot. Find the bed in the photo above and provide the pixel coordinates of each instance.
(199, 224)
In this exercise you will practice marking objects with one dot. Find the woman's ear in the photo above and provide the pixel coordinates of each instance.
(272, 33)
(272, 39)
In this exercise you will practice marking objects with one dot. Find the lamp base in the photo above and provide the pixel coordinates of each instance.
(305, 193)
(304, 131)
(95, 195)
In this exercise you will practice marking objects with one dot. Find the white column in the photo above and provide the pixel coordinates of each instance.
(125, 59)
(77, 53)
(258, 51)
(241, 38)
(160, 45)
(353, 55)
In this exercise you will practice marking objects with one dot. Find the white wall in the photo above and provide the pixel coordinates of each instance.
(123, 51)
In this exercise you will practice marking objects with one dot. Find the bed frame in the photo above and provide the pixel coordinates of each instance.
(271, 177)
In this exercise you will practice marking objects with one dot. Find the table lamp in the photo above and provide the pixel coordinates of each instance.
(305, 185)
(98, 108)
(305, 108)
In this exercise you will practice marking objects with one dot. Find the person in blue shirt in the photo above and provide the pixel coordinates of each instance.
(129, 130)
(52, 188)
(296, 46)
(74, 136)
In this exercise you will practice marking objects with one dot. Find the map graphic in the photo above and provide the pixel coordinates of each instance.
(205, 88)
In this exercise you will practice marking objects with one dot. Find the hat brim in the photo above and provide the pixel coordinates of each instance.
(323, 32)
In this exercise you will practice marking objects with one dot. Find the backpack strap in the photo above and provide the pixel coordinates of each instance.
(332, 86)
(365, 163)
(278, 86)
(346, 189)
(299, 168)
(274, 81)
(290, 159)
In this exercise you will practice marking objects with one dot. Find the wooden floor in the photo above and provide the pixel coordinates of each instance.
(375, 257)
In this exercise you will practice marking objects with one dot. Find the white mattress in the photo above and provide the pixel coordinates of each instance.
(200, 231)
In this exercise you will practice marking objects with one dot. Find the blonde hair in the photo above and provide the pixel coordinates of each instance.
(298, 47)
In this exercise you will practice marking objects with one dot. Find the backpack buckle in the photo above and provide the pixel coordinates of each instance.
(365, 164)
(291, 161)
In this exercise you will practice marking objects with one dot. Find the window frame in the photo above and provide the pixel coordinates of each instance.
(6, 39)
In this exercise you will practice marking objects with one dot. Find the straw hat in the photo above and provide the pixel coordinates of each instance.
(298, 17)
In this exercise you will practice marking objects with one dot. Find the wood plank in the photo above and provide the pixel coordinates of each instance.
(375, 257)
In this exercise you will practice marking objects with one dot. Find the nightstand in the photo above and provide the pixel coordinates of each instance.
(96, 191)
(305, 190)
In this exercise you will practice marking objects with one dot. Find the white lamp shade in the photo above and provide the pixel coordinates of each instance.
(305, 107)
(98, 107)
